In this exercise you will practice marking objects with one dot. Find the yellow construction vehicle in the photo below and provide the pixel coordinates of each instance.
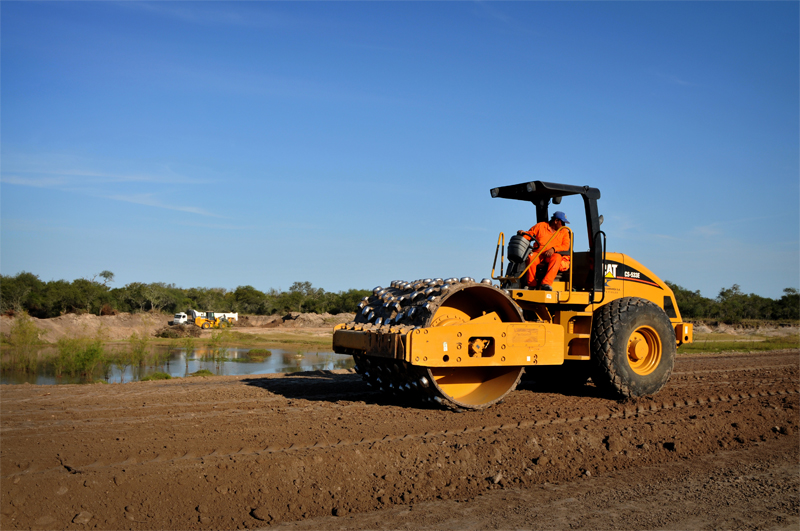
(466, 344)
(211, 320)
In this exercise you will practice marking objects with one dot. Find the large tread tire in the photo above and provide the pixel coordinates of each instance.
(633, 348)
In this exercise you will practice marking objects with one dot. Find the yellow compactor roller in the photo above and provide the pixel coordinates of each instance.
(466, 344)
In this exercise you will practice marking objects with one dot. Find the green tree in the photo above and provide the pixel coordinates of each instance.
(208, 299)
(691, 304)
(107, 276)
(87, 295)
(731, 303)
(134, 296)
(346, 301)
(158, 296)
(788, 307)
(55, 299)
(248, 299)
(19, 291)
(138, 348)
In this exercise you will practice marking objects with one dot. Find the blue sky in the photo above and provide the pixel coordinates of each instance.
(352, 144)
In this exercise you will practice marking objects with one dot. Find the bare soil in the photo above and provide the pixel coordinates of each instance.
(121, 326)
(717, 448)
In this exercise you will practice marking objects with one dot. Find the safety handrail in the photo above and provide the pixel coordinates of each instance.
(602, 267)
(501, 246)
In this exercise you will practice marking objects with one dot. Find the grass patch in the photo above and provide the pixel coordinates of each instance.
(156, 376)
(258, 354)
(279, 340)
(202, 372)
(295, 340)
(729, 343)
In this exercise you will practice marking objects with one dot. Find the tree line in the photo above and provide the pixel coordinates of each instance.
(732, 306)
(26, 292)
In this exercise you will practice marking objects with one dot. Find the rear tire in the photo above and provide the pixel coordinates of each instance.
(633, 347)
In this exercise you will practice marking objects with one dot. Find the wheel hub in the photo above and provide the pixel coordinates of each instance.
(644, 350)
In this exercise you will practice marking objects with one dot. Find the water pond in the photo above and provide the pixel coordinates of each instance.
(176, 363)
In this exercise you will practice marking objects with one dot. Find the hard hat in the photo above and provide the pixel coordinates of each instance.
(560, 215)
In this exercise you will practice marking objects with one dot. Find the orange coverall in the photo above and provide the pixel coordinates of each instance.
(543, 232)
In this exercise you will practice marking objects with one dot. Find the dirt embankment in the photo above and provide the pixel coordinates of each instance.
(762, 329)
(122, 326)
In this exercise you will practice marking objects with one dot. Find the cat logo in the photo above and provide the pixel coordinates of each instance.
(611, 272)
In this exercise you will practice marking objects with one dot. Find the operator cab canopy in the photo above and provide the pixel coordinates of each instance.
(541, 194)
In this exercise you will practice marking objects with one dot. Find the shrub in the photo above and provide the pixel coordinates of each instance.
(156, 376)
(24, 340)
(178, 331)
(258, 354)
(138, 347)
(90, 357)
(79, 356)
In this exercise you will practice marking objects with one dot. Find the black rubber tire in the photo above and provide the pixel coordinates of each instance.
(612, 327)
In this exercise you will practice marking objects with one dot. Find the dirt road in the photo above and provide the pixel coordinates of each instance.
(717, 448)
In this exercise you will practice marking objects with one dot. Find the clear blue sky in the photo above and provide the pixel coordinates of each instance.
(351, 144)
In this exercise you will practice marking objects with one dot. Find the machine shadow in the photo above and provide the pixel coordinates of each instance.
(329, 386)
(334, 387)
(588, 390)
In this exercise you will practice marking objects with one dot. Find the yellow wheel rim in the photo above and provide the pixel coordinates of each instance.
(644, 350)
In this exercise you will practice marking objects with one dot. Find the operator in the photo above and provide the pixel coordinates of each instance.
(541, 234)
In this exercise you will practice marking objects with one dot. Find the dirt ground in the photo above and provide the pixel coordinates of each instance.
(718, 448)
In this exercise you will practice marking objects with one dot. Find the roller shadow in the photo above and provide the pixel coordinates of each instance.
(328, 386)
(543, 386)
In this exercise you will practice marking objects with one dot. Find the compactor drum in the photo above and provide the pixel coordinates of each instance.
(465, 344)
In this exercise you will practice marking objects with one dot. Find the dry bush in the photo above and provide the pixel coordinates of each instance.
(178, 331)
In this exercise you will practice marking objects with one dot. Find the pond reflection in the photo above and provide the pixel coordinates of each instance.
(176, 363)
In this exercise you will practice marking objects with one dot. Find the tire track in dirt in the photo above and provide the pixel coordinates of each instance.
(339, 394)
(685, 374)
(628, 412)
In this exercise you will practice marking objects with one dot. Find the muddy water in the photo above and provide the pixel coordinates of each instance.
(178, 365)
